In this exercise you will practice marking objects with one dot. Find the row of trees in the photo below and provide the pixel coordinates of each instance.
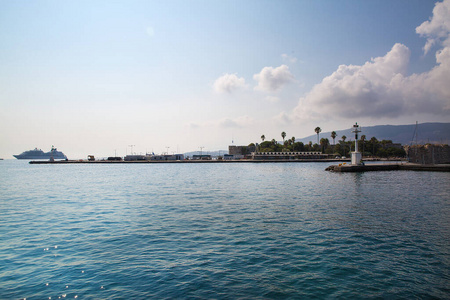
(372, 147)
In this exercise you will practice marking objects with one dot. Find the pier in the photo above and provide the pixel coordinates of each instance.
(345, 168)
(186, 161)
(342, 167)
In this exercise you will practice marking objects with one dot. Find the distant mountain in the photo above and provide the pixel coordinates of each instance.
(212, 153)
(434, 133)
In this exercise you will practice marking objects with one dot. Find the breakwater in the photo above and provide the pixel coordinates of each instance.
(192, 161)
(342, 168)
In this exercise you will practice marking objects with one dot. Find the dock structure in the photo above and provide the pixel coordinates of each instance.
(345, 168)
(340, 168)
(186, 161)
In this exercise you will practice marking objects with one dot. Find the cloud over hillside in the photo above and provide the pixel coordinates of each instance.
(381, 87)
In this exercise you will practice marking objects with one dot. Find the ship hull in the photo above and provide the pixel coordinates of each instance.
(39, 154)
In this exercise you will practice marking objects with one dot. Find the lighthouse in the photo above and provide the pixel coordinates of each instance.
(356, 156)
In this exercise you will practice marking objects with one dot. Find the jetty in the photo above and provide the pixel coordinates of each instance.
(357, 165)
(185, 161)
(344, 168)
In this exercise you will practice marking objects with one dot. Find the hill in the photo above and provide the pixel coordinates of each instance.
(434, 133)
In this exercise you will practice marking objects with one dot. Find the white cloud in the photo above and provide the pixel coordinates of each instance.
(273, 99)
(282, 118)
(437, 29)
(239, 122)
(288, 58)
(380, 88)
(228, 83)
(272, 79)
(437, 81)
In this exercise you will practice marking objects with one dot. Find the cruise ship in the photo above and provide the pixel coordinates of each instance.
(39, 154)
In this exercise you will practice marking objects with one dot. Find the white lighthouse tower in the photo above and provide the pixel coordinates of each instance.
(356, 156)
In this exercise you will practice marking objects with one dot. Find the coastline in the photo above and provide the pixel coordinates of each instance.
(344, 168)
(192, 161)
(341, 168)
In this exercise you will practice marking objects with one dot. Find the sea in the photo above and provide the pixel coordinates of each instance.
(222, 231)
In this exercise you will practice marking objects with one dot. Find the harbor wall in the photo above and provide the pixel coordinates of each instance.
(428, 154)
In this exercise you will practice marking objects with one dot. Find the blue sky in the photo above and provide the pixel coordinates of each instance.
(92, 77)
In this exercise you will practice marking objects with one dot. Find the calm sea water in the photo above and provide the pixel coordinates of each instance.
(222, 231)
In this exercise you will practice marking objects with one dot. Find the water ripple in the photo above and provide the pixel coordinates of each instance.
(258, 231)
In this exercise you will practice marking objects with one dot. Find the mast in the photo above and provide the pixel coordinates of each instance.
(414, 135)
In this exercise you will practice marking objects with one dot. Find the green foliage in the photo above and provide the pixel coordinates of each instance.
(333, 136)
(265, 144)
(383, 148)
(298, 146)
(382, 153)
(395, 152)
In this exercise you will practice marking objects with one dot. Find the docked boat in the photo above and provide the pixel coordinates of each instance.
(39, 154)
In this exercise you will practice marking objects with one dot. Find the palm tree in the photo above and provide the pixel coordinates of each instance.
(318, 130)
(324, 143)
(374, 141)
(283, 135)
(343, 140)
(263, 137)
(293, 139)
(333, 136)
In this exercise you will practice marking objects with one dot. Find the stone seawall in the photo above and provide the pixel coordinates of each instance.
(428, 154)
(388, 167)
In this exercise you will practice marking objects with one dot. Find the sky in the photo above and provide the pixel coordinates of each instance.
(107, 78)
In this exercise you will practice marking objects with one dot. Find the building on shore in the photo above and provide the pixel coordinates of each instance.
(249, 152)
(240, 152)
(201, 157)
(135, 157)
(228, 157)
(152, 157)
(167, 157)
(289, 155)
(428, 154)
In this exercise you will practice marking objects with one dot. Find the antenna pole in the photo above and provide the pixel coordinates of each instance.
(414, 138)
